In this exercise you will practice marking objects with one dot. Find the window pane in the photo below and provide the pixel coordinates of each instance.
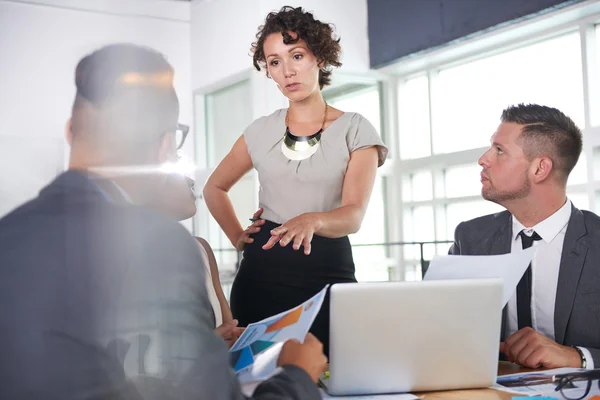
(243, 196)
(443, 248)
(470, 98)
(579, 173)
(371, 261)
(464, 211)
(366, 102)
(440, 221)
(413, 118)
(223, 126)
(595, 107)
(422, 186)
(407, 230)
(417, 186)
(423, 224)
(580, 200)
(428, 251)
(407, 188)
(372, 229)
(412, 252)
(412, 272)
(462, 180)
(597, 163)
(418, 227)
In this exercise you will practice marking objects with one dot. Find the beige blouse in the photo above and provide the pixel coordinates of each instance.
(290, 188)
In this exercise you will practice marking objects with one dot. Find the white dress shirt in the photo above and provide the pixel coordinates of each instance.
(544, 273)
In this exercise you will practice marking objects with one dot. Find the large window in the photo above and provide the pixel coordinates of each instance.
(413, 110)
(227, 115)
(468, 99)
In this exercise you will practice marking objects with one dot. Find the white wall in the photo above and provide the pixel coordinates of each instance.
(41, 42)
(223, 30)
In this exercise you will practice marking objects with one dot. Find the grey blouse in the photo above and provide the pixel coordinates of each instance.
(290, 188)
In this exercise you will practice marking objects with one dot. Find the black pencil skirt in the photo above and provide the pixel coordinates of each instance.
(271, 281)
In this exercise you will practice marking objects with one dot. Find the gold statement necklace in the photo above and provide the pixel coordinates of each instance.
(298, 148)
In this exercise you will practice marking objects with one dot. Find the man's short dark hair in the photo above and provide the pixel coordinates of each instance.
(131, 86)
(547, 132)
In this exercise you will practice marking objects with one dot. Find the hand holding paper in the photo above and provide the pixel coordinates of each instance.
(254, 356)
(308, 355)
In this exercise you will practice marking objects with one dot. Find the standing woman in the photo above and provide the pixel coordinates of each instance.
(316, 167)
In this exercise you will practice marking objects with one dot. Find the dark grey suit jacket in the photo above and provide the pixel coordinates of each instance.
(577, 310)
(101, 300)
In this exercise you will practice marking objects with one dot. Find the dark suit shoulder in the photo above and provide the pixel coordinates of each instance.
(24, 211)
(592, 221)
(149, 219)
(585, 226)
(484, 224)
(154, 237)
(474, 236)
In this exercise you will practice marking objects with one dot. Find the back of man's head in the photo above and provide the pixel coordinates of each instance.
(125, 102)
(547, 132)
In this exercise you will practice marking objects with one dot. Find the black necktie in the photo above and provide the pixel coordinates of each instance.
(524, 286)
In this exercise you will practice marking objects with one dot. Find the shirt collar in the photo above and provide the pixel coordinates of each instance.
(123, 193)
(548, 228)
(112, 191)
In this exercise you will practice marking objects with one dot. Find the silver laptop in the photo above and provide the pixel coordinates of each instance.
(399, 337)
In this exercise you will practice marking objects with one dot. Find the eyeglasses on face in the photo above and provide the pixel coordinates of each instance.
(181, 132)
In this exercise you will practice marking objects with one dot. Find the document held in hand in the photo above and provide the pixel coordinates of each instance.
(254, 355)
(510, 267)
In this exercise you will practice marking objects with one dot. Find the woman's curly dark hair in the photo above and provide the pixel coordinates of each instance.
(319, 37)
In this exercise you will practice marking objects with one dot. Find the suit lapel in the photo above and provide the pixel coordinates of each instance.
(500, 240)
(500, 243)
(571, 264)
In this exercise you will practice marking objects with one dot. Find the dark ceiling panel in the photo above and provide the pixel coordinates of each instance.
(398, 28)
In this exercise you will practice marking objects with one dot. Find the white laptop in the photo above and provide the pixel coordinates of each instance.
(399, 337)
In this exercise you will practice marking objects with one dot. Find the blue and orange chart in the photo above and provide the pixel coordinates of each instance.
(263, 335)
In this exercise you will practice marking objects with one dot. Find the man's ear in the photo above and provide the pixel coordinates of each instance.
(69, 131)
(166, 150)
(543, 168)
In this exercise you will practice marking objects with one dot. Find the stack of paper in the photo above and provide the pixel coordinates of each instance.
(510, 267)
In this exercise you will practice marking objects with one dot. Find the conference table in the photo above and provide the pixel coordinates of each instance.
(504, 368)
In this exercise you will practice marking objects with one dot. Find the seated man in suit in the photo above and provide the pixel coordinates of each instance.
(103, 299)
(553, 319)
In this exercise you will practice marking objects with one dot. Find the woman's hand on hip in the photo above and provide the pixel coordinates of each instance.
(253, 228)
(299, 230)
